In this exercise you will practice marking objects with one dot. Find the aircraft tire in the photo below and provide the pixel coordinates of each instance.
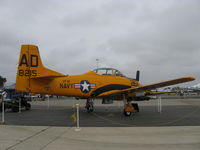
(90, 109)
(127, 114)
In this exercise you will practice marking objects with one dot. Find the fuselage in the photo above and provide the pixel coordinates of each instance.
(86, 85)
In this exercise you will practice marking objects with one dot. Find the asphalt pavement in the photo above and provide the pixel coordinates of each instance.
(175, 112)
(49, 128)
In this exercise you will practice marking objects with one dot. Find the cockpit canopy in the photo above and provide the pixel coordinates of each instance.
(108, 71)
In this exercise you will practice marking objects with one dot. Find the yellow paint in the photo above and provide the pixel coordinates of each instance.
(73, 117)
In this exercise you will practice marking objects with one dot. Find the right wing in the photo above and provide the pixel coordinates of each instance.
(147, 87)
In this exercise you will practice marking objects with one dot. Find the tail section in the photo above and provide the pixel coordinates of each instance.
(30, 68)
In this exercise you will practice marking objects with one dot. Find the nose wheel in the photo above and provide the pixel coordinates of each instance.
(129, 107)
(127, 113)
(89, 105)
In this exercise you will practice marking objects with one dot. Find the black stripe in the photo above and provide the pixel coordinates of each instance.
(109, 87)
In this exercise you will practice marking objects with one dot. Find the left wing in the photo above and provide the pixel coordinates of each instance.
(147, 87)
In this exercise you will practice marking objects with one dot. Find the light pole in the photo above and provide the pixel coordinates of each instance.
(97, 60)
(77, 118)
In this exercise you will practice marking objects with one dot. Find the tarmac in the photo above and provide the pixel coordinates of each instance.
(50, 128)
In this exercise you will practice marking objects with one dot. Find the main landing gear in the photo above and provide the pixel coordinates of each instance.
(89, 105)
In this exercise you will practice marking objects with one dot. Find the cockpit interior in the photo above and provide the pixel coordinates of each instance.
(108, 71)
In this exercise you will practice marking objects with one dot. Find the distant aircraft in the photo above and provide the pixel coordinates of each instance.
(102, 83)
(166, 90)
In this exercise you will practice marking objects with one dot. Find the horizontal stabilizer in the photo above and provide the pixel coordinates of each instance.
(48, 77)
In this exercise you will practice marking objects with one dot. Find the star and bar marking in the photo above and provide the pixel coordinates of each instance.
(84, 86)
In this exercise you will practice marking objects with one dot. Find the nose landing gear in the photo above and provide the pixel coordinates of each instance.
(129, 107)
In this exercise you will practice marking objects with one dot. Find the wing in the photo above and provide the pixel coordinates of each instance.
(147, 87)
(157, 93)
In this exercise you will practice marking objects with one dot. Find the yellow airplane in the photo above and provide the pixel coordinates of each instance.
(102, 83)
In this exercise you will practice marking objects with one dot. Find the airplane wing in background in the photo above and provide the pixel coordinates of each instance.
(147, 87)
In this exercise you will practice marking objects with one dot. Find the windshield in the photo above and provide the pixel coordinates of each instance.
(108, 71)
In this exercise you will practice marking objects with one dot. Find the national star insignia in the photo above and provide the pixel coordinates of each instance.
(85, 86)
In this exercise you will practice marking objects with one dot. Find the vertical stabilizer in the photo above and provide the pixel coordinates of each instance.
(30, 67)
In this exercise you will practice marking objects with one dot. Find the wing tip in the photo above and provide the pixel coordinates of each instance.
(191, 78)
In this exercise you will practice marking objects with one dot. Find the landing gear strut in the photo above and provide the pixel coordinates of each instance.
(89, 105)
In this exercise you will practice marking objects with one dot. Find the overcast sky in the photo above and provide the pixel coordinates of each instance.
(161, 38)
